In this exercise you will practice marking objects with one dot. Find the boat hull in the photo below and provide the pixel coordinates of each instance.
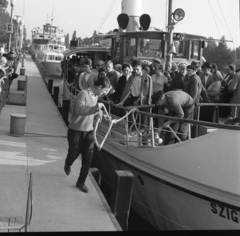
(168, 206)
(52, 68)
(167, 200)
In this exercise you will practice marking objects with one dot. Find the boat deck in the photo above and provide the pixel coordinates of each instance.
(57, 204)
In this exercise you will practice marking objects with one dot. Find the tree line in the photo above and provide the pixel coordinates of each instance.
(220, 54)
(6, 18)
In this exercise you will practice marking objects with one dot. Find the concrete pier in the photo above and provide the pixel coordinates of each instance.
(57, 204)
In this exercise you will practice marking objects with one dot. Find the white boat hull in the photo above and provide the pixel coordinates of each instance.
(168, 198)
(52, 68)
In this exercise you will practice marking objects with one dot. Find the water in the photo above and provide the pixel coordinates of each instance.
(135, 221)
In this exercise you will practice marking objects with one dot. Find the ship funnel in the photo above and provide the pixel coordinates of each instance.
(123, 20)
(133, 8)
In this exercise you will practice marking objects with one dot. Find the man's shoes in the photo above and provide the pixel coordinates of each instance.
(67, 169)
(82, 187)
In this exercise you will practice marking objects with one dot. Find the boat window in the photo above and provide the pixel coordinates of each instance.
(58, 58)
(56, 47)
(51, 58)
(130, 47)
(50, 47)
(180, 47)
(195, 50)
(150, 48)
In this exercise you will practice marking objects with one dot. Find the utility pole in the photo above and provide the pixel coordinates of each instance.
(22, 31)
(18, 20)
(170, 30)
(10, 35)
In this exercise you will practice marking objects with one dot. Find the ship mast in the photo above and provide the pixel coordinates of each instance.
(170, 30)
(51, 23)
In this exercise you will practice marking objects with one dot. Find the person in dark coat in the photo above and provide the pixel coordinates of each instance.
(178, 80)
(126, 68)
(225, 94)
(73, 74)
(194, 85)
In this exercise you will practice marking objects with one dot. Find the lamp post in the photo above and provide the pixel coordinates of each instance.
(10, 35)
(18, 20)
(173, 19)
(21, 33)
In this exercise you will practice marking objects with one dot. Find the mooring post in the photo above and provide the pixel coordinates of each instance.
(55, 94)
(96, 174)
(65, 110)
(50, 86)
(122, 196)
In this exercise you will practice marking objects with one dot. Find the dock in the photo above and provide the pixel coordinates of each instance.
(57, 204)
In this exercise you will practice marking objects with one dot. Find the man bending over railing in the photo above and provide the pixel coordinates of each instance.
(181, 105)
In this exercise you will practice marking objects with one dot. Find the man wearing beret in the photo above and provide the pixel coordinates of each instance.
(181, 105)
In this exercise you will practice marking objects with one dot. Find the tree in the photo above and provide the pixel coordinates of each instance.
(219, 54)
(4, 3)
(74, 35)
(238, 53)
(4, 18)
(67, 42)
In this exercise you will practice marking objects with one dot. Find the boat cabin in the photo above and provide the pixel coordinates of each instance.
(147, 45)
(45, 56)
(55, 47)
(93, 52)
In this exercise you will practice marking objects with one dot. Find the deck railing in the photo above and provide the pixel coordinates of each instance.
(191, 122)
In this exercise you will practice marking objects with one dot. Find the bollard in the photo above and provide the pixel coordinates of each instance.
(55, 94)
(65, 110)
(122, 197)
(97, 175)
(17, 124)
(22, 71)
(50, 85)
(21, 85)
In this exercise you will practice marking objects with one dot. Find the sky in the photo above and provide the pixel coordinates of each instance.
(213, 18)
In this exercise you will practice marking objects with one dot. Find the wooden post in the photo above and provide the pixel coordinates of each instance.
(55, 94)
(122, 196)
(65, 110)
(50, 85)
(96, 174)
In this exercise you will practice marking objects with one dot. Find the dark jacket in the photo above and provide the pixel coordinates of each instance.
(194, 87)
(177, 82)
(121, 85)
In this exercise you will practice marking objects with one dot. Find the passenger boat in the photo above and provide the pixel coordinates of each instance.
(48, 47)
(187, 185)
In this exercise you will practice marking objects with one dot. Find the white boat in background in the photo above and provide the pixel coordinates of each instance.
(48, 48)
(193, 184)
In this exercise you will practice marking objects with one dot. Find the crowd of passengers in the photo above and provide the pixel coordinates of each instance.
(174, 88)
(8, 66)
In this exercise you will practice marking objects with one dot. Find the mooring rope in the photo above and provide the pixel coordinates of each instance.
(112, 122)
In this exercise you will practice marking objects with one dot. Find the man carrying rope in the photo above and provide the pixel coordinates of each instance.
(80, 133)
